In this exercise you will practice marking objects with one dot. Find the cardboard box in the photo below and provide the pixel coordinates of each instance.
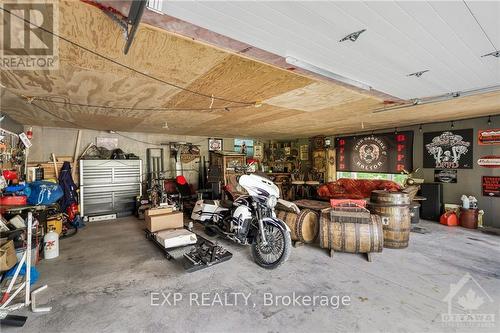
(175, 237)
(158, 211)
(7, 256)
(156, 222)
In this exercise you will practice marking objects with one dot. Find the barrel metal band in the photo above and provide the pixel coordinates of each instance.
(356, 236)
(372, 237)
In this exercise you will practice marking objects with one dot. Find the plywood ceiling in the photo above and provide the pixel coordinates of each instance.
(293, 105)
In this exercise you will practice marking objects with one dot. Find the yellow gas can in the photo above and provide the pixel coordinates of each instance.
(55, 224)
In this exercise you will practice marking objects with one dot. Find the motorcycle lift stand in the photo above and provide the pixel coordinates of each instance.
(203, 254)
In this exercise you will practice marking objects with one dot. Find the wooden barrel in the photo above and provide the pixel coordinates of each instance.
(390, 198)
(396, 222)
(351, 237)
(303, 226)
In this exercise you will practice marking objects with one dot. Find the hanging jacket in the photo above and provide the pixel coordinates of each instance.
(69, 187)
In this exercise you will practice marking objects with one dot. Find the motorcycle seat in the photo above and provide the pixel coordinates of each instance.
(226, 203)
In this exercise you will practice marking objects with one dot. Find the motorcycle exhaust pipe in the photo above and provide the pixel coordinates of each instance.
(219, 229)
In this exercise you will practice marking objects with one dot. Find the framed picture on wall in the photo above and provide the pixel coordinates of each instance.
(244, 146)
(445, 175)
(108, 143)
(304, 152)
(214, 144)
(449, 149)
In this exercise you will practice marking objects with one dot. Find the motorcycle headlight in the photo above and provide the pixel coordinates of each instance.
(272, 201)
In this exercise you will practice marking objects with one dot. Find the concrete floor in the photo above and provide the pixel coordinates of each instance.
(104, 277)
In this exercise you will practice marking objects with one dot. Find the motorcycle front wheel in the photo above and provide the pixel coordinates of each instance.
(277, 249)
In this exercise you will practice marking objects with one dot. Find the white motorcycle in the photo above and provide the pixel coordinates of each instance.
(250, 220)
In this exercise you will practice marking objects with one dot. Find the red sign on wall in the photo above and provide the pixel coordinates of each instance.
(491, 186)
(489, 136)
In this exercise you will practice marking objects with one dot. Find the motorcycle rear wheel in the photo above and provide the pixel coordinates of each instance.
(276, 252)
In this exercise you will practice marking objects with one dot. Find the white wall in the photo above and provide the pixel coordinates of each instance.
(62, 141)
(10, 124)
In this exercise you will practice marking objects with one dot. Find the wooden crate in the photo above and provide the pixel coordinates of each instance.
(48, 169)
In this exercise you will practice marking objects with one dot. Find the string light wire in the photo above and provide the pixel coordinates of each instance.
(211, 97)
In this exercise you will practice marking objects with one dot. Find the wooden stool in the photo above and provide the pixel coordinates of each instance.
(311, 184)
(297, 185)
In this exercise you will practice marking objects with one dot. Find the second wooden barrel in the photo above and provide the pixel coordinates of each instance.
(303, 226)
(353, 237)
(396, 221)
(391, 198)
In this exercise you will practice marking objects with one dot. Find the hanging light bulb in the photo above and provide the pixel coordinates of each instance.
(452, 125)
(420, 128)
(489, 120)
(395, 130)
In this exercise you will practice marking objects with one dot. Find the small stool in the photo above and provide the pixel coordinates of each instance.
(311, 184)
(298, 185)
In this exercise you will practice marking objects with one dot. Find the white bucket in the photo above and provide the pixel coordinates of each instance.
(51, 245)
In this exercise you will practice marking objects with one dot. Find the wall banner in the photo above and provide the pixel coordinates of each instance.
(384, 153)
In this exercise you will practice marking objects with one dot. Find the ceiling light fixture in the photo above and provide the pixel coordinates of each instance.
(326, 73)
(352, 36)
(492, 54)
(489, 120)
(420, 128)
(452, 124)
(418, 74)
